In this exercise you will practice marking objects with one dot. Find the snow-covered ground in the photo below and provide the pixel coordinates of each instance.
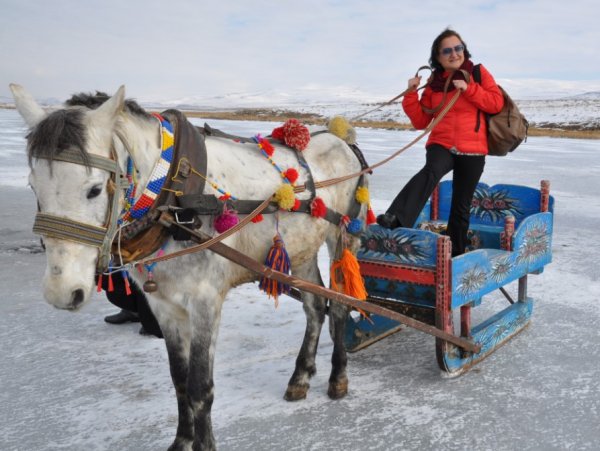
(72, 382)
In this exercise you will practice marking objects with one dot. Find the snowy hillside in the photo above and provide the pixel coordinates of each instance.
(580, 111)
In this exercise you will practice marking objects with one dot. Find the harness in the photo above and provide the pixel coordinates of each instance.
(137, 232)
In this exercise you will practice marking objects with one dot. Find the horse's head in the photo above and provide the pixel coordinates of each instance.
(69, 150)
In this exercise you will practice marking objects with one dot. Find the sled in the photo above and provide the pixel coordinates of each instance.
(411, 271)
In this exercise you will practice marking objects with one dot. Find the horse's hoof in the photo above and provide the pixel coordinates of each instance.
(296, 392)
(337, 390)
(180, 445)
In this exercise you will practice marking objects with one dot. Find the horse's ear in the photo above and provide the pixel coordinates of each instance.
(107, 113)
(27, 107)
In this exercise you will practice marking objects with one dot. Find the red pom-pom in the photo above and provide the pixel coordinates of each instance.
(291, 174)
(226, 220)
(225, 197)
(295, 134)
(267, 147)
(318, 209)
(257, 218)
(277, 133)
(296, 205)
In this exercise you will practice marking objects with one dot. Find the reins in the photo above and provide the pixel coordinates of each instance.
(297, 189)
(389, 102)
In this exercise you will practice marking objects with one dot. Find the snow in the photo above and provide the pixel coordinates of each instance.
(71, 382)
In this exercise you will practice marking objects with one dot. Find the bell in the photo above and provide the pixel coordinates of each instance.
(150, 286)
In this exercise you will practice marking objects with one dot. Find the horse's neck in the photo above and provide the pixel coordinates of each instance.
(142, 142)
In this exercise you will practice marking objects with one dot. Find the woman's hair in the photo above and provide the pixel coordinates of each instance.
(435, 48)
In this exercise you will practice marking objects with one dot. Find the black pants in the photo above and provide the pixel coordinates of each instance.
(135, 302)
(439, 161)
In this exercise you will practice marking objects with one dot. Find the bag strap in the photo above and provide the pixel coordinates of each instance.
(477, 79)
(446, 85)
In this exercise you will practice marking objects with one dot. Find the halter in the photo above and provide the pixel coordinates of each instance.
(102, 237)
(90, 235)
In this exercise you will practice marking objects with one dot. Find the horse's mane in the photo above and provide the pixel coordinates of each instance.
(64, 129)
(60, 130)
(93, 101)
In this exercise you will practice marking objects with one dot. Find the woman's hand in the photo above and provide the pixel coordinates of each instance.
(414, 83)
(461, 85)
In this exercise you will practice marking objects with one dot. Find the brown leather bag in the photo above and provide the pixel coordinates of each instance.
(507, 129)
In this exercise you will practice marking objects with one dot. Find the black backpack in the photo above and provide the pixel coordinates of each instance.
(506, 129)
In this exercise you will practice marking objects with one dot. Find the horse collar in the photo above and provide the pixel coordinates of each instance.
(157, 178)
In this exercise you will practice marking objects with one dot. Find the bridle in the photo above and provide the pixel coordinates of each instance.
(100, 237)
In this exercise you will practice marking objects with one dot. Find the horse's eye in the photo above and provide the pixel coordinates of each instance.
(94, 192)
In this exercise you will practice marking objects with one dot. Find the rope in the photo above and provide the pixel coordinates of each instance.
(329, 182)
(389, 102)
(297, 189)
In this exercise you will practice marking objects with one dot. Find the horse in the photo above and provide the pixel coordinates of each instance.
(191, 289)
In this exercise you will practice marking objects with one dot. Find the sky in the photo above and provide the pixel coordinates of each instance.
(164, 50)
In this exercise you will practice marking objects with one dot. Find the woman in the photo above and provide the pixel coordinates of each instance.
(458, 142)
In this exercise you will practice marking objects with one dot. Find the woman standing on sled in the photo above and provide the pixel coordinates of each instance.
(458, 142)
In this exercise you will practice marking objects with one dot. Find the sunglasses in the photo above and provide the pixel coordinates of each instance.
(448, 50)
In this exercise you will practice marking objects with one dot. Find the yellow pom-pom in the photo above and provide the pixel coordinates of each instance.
(362, 195)
(285, 197)
(341, 128)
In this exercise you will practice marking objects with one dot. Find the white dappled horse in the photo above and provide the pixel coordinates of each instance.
(192, 288)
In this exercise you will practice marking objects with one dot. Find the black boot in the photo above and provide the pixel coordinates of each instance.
(123, 316)
(388, 221)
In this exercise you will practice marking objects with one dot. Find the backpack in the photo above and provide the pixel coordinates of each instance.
(506, 129)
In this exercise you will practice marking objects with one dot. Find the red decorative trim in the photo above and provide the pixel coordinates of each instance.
(397, 272)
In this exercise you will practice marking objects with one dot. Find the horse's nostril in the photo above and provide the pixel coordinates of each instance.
(77, 298)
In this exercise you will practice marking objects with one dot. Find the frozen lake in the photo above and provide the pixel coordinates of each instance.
(72, 382)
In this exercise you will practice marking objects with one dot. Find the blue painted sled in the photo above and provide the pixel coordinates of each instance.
(411, 270)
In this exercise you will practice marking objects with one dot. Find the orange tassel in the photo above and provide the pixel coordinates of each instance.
(99, 286)
(351, 280)
(111, 286)
(127, 286)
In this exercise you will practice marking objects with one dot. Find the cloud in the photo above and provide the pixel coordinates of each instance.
(179, 48)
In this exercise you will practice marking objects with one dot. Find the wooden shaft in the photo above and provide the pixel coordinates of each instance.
(249, 263)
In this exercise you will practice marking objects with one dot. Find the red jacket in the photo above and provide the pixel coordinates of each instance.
(457, 128)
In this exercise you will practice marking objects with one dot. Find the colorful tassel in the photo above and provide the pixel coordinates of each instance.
(355, 226)
(226, 220)
(111, 286)
(265, 145)
(126, 281)
(371, 219)
(296, 205)
(346, 277)
(279, 260)
(99, 286)
(341, 128)
(362, 195)
(291, 174)
(293, 133)
(285, 197)
(318, 209)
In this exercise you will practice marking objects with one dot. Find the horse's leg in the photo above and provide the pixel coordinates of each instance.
(314, 308)
(176, 331)
(338, 380)
(206, 317)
